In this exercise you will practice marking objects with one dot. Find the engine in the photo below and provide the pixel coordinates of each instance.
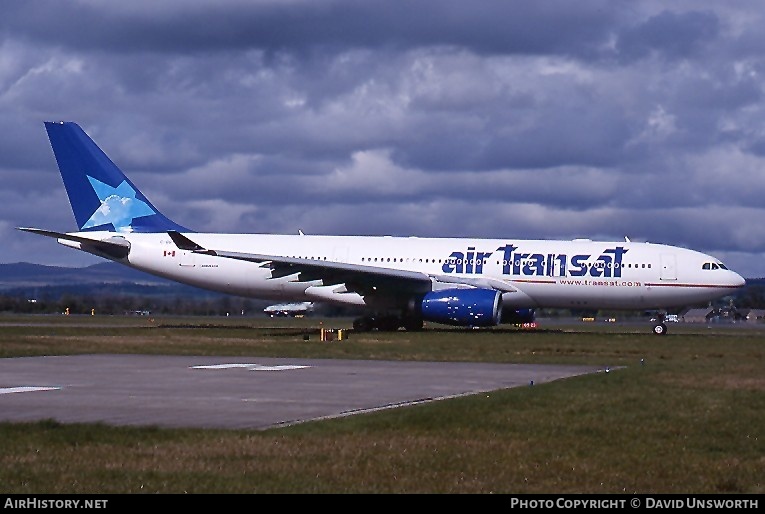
(463, 307)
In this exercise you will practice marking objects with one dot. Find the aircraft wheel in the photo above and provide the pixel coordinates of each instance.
(362, 325)
(388, 323)
(413, 324)
(660, 329)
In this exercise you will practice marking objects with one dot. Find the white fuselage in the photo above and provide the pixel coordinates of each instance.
(531, 273)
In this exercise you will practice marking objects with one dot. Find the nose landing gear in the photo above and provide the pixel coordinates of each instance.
(659, 325)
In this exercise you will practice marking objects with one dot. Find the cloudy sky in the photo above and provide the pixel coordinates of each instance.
(506, 119)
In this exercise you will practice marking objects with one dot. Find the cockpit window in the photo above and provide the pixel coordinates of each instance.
(722, 266)
(706, 265)
(713, 265)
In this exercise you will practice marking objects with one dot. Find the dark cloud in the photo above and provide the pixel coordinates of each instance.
(493, 26)
(434, 118)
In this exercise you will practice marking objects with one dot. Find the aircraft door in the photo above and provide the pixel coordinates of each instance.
(340, 254)
(188, 259)
(668, 266)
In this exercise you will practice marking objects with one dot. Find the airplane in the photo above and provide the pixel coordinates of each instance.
(400, 282)
(289, 309)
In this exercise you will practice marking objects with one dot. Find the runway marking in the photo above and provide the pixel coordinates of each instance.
(251, 367)
(26, 389)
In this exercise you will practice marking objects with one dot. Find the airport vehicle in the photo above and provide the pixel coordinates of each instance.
(399, 281)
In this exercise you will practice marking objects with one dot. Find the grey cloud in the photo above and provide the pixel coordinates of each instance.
(673, 35)
(433, 118)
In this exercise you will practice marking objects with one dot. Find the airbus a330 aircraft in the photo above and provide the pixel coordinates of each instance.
(400, 281)
(289, 309)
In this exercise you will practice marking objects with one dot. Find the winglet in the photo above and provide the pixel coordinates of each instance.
(184, 243)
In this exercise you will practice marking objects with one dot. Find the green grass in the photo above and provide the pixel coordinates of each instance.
(681, 414)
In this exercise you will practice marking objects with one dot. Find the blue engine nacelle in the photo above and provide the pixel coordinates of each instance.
(463, 307)
(518, 317)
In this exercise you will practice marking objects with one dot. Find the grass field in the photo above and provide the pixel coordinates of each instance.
(682, 414)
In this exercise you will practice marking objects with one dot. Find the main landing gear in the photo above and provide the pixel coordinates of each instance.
(387, 323)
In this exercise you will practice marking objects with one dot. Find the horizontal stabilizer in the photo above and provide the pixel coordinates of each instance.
(114, 247)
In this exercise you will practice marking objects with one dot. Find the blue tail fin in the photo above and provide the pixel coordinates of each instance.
(102, 197)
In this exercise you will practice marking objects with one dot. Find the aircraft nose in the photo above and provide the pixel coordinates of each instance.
(737, 280)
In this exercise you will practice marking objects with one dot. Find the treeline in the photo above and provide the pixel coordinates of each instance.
(198, 303)
(751, 296)
(126, 304)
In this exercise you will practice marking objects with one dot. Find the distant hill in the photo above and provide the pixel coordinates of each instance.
(24, 274)
(23, 279)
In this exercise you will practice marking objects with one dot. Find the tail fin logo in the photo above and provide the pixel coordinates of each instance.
(119, 206)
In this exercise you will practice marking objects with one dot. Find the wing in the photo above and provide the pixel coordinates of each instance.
(356, 277)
